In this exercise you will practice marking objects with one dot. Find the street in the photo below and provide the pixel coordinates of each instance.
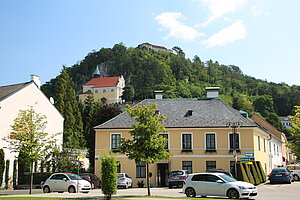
(265, 192)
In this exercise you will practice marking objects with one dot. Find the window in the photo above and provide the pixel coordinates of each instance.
(264, 144)
(210, 139)
(165, 135)
(211, 165)
(118, 167)
(237, 141)
(258, 142)
(141, 170)
(104, 91)
(187, 165)
(96, 91)
(278, 150)
(115, 141)
(112, 90)
(186, 142)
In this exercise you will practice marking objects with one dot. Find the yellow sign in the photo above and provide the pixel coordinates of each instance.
(81, 156)
(249, 163)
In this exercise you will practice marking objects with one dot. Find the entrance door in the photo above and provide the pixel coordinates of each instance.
(162, 174)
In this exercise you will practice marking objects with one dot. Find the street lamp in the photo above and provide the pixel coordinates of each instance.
(234, 126)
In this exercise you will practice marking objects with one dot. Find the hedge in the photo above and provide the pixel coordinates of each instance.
(262, 172)
(2, 165)
(258, 172)
(249, 174)
(255, 175)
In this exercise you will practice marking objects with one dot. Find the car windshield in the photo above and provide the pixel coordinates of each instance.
(176, 173)
(120, 175)
(279, 170)
(227, 178)
(74, 177)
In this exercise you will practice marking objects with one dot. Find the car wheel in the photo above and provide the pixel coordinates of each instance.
(170, 186)
(233, 194)
(296, 177)
(190, 192)
(72, 189)
(126, 186)
(46, 189)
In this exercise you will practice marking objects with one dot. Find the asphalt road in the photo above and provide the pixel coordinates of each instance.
(265, 192)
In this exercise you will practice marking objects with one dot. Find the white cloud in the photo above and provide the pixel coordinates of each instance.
(170, 20)
(218, 8)
(227, 35)
(258, 11)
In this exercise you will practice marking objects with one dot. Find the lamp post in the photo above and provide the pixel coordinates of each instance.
(234, 126)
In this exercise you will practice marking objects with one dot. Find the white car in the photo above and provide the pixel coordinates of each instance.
(217, 184)
(295, 169)
(66, 182)
(124, 180)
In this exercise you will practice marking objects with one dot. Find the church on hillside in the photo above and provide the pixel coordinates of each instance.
(106, 89)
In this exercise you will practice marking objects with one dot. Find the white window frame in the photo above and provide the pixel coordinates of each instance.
(110, 139)
(206, 133)
(258, 144)
(182, 140)
(240, 145)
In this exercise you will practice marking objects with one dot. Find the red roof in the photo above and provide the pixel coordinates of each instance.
(155, 46)
(103, 82)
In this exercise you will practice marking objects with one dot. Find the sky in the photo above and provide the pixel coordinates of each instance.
(259, 36)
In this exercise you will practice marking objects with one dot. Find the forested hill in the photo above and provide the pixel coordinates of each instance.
(180, 77)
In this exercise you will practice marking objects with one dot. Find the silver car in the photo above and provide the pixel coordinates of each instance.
(124, 180)
(66, 182)
(217, 184)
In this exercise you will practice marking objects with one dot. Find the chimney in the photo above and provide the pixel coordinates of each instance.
(36, 80)
(212, 92)
(158, 94)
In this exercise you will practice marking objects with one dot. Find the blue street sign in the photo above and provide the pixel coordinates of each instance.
(249, 154)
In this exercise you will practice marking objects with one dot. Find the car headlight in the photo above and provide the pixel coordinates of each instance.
(242, 187)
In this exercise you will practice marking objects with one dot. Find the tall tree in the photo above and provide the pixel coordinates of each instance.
(28, 137)
(68, 106)
(146, 144)
(295, 132)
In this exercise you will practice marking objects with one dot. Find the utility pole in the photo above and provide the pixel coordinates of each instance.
(234, 126)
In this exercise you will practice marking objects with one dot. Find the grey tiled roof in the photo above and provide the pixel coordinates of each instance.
(207, 113)
(8, 90)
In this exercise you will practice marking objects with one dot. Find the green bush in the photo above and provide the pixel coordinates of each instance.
(254, 174)
(109, 176)
(15, 173)
(244, 176)
(262, 172)
(249, 174)
(258, 172)
(2, 165)
(6, 173)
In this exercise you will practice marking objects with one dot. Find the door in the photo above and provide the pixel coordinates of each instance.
(213, 187)
(162, 174)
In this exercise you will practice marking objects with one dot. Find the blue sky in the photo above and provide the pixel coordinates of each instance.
(259, 36)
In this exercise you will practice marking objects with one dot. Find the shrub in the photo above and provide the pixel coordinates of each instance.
(262, 172)
(258, 172)
(6, 173)
(249, 174)
(254, 173)
(243, 173)
(109, 176)
(2, 164)
(15, 173)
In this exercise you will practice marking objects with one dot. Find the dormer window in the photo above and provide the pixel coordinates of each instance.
(189, 113)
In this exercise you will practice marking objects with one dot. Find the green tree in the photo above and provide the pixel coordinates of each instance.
(146, 144)
(264, 105)
(242, 102)
(28, 137)
(295, 132)
(2, 165)
(68, 106)
(109, 176)
(128, 93)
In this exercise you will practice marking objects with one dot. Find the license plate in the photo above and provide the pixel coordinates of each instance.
(278, 175)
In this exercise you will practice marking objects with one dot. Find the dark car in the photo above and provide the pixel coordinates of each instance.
(280, 175)
(93, 179)
(219, 171)
(177, 178)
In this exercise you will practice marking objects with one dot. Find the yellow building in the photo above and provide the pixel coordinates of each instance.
(105, 89)
(198, 138)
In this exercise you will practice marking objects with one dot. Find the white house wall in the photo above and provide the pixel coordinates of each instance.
(22, 100)
(275, 156)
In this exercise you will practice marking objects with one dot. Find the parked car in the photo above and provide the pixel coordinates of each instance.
(219, 171)
(66, 182)
(177, 178)
(93, 179)
(295, 169)
(124, 180)
(280, 175)
(217, 184)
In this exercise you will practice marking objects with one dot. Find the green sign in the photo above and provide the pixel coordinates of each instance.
(244, 159)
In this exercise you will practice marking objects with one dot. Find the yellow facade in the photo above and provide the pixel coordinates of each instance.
(112, 94)
(248, 140)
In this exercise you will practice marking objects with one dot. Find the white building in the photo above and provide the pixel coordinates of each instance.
(22, 96)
